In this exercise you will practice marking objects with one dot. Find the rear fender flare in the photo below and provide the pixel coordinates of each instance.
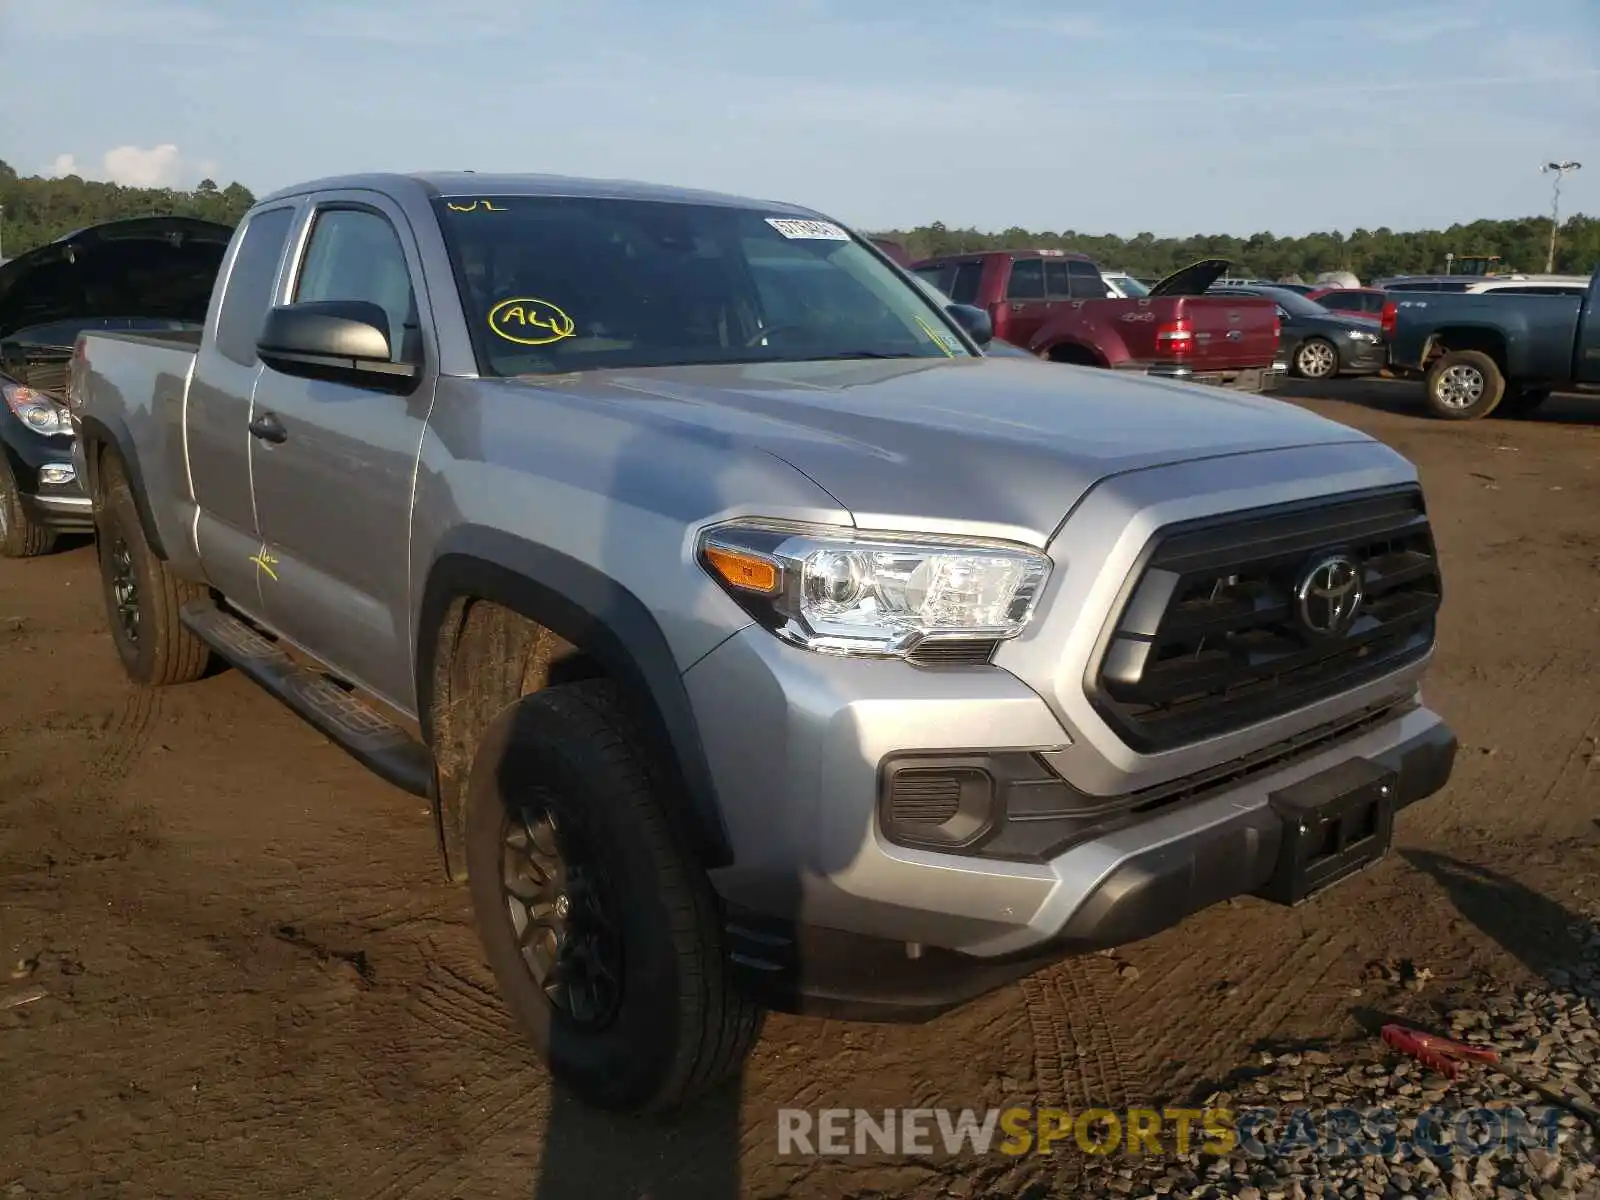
(96, 435)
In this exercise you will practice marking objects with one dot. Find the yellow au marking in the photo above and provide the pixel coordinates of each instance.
(265, 562)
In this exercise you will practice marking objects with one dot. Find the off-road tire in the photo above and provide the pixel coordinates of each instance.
(161, 651)
(1464, 385)
(1521, 401)
(1323, 366)
(680, 1028)
(20, 537)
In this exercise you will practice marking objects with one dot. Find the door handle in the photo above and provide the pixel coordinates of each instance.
(268, 428)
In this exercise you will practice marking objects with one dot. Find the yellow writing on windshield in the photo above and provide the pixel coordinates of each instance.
(474, 206)
(530, 322)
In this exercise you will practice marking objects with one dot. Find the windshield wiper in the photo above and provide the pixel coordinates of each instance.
(859, 354)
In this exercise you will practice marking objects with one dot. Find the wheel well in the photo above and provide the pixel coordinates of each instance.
(489, 656)
(1485, 341)
(1072, 353)
(489, 635)
(101, 446)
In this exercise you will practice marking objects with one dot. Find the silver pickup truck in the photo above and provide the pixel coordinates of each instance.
(759, 642)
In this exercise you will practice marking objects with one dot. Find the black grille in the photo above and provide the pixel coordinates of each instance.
(930, 797)
(1211, 637)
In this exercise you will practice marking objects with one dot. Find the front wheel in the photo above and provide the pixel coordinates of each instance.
(597, 920)
(1464, 385)
(20, 535)
(1317, 358)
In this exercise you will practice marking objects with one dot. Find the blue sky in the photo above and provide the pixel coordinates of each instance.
(1173, 116)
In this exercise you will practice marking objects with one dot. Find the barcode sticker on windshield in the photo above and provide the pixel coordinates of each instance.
(825, 231)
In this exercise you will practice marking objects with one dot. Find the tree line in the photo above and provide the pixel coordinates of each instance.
(1522, 243)
(38, 210)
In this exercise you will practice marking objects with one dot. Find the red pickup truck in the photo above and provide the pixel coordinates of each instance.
(1053, 303)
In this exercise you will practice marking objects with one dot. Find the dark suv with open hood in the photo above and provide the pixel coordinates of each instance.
(145, 273)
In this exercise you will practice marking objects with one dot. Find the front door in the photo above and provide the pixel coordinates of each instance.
(335, 463)
(218, 410)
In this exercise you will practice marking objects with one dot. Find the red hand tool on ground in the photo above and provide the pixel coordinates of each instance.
(1449, 1058)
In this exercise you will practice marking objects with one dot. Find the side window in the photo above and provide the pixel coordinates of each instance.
(1086, 281)
(1027, 280)
(355, 254)
(1055, 280)
(249, 287)
(964, 290)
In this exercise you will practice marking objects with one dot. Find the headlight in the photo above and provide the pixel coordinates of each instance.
(1362, 335)
(842, 591)
(36, 410)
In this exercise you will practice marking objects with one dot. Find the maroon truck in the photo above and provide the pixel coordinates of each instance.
(1054, 303)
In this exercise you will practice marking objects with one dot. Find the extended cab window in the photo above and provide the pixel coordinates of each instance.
(557, 283)
(1027, 280)
(249, 286)
(355, 254)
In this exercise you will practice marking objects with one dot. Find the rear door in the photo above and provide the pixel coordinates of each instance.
(1026, 306)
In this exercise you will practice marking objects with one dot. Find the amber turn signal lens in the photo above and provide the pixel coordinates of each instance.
(747, 572)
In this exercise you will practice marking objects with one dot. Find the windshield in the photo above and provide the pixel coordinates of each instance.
(1293, 303)
(557, 284)
(1128, 286)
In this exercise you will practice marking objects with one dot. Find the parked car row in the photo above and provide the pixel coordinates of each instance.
(150, 273)
(1200, 324)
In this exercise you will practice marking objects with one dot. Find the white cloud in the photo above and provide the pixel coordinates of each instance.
(139, 166)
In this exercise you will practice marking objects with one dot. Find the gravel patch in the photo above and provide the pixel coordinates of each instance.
(1550, 1035)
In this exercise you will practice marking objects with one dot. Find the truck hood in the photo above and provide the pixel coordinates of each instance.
(952, 443)
(1192, 280)
(159, 267)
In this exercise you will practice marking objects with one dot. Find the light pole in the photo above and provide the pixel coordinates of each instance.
(1560, 170)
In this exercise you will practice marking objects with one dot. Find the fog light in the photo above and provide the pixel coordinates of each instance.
(56, 474)
(944, 806)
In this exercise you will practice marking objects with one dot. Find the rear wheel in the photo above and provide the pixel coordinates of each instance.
(1316, 358)
(142, 595)
(20, 535)
(597, 919)
(1464, 385)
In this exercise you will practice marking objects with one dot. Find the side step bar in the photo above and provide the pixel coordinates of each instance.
(366, 734)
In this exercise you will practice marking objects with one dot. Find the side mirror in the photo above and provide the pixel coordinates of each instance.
(974, 320)
(346, 341)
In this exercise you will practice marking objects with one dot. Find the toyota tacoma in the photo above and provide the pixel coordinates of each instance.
(758, 641)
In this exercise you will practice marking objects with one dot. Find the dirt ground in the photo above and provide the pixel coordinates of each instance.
(256, 982)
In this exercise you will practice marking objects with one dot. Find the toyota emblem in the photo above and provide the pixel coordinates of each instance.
(1329, 595)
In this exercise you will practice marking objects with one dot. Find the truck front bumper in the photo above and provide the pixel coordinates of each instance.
(1253, 379)
(51, 484)
(829, 912)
